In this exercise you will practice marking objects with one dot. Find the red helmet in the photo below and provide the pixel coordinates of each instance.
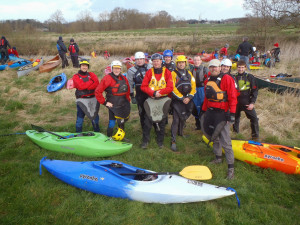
(38, 60)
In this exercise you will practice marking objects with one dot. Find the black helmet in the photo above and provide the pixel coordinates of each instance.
(60, 38)
(156, 56)
(72, 40)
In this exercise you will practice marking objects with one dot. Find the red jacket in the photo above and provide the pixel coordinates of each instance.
(14, 52)
(108, 81)
(148, 76)
(81, 85)
(223, 51)
(227, 84)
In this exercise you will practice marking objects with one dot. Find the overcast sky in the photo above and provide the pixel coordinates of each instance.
(41, 10)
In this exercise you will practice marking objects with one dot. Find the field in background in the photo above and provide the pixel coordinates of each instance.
(267, 197)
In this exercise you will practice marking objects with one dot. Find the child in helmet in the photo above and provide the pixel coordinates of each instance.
(117, 99)
(85, 83)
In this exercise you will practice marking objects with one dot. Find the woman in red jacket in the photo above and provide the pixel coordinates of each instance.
(85, 83)
(117, 99)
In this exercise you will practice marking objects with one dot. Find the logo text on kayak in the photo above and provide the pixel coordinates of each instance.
(195, 182)
(274, 157)
(93, 178)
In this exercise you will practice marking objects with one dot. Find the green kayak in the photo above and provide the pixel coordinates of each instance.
(89, 144)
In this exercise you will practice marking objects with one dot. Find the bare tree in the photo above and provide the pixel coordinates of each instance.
(56, 21)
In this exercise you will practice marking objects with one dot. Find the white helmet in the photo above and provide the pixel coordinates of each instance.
(139, 55)
(226, 62)
(254, 49)
(116, 63)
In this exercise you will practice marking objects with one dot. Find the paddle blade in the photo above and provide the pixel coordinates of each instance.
(196, 173)
(37, 128)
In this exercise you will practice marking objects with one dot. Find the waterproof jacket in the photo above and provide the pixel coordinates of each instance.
(158, 75)
(245, 48)
(171, 66)
(14, 52)
(106, 84)
(227, 84)
(85, 83)
(74, 49)
(135, 76)
(4, 43)
(247, 88)
(200, 74)
(181, 82)
(223, 51)
(61, 48)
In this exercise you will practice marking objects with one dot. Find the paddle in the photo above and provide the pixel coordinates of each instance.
(189, 172)
(40, 129)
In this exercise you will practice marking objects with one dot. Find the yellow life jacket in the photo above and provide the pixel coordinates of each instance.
(156, 85)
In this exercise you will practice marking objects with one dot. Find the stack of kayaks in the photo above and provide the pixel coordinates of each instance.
(24, 70)
(89, 144)
(57, 82)
(50, 65)
(278, 157)
(104, 177)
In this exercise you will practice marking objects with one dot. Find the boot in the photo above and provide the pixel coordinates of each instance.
(173, 147)
(230, 174)
(198, 124)
(217, 160)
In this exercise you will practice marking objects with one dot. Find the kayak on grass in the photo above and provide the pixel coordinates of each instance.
(278, 157)
(57, 82)
(24, 70)
(104, 177)
(89, 144)
(14, 64)
(50, 65)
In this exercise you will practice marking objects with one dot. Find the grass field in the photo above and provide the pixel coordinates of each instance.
(267, 196)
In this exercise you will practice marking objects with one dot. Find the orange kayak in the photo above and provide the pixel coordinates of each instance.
(278, 157)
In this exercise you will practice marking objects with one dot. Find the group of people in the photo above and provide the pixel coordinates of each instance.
(4, 52)
(213, 95)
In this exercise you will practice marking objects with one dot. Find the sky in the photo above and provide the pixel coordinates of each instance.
(42, 10)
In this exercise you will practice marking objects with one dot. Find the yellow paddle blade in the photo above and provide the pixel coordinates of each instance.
(196, 173)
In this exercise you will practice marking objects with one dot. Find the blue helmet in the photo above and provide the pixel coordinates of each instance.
(168, 53)
(156, 56)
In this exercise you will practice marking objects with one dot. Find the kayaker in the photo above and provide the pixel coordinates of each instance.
(135, 76)
(244, 49)
(199, 72)
(85, 83)
(168, 63)
(3, 49)
(106, 55)
(224, 51)
(13, 51)
(276, 52)
(184, 89)
(248, 92)
(219, 106)
(117, 99)
(157, 84)
(74, 49)
(62, 50)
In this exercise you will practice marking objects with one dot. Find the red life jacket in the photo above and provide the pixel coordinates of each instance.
(2, 42)
(84, 93)
(72, 49)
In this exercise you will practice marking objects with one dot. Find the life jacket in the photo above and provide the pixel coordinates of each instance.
(243, 82)
(213, 92)
(120, 88)
(171, 66)
(139, 75)
(58, 47)
(198, 73)
(2, 41)
(183, 82)
(72, 49)
(84, 93)
(158, 85)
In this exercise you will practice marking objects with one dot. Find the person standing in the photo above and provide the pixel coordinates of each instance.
(135, 76)
(62, 50)
(248, 93)
(199, 71)
(3, 49)
(117, 99)
(85, 83)
(219, 106)
(184, 89)
(168, 63)
(244, 49)
(157, 84)
(74, 49)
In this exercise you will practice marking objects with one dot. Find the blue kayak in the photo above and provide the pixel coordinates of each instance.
(17, 64)
(107, 178)
(57, 82)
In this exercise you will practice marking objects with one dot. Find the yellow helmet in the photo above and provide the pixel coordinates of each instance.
(119, 135)
(181, 58)
(84, 61)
